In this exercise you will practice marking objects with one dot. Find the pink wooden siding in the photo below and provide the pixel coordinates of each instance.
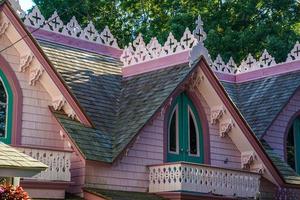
(77, 174)
(38, 126)
(275, 135)
(130, 172)
(223, 152)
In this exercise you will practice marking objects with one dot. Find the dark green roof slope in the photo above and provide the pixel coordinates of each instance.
(289, 175)
(119, 107)
(92, 142)
(122, 195)
(141, 97)
(95, 80)
(260, 101)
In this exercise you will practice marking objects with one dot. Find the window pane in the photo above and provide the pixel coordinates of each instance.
(193, 135)
(3, 104)
(290, 148)
(173, 132)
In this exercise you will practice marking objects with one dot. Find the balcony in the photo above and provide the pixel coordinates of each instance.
(58, 163)
(197, 178)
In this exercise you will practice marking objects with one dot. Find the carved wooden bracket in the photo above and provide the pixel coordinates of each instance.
(59, 103)
(3, 27)
(195, 80)
(216, 113)
(25, 62)
(35, 74)
(247, 159)
(225, 127)
(261, 169)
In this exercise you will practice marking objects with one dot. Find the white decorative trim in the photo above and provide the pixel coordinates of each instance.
(89, 32)
(248, 64)
(35, 74)
(216, 113)
(295, 53)
(54, 23)
(266, 60)
(247, 159)
(197, 51)
(17, 7)
(218, 64)
(199, 33)
(25, 62)
(72, 114)
(71, 29)
(225, 127)
(139, 52)
(106, 38)
(230, 67)
(59, 103)
(34, 18)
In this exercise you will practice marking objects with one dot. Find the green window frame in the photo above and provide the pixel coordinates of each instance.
(293, 145)
(9, 109)
(184, 132)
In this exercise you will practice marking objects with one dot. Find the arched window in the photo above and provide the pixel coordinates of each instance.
(185, 141)
(6, 109)
(293, 146)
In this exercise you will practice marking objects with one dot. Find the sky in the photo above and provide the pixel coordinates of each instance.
(26, 4)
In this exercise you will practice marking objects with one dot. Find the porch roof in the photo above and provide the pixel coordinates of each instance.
(16, 164)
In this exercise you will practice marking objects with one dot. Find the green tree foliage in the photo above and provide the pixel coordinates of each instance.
(235, 28)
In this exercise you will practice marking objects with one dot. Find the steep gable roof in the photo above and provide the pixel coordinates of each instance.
(94, 79)
(261, 100)
(119, 107)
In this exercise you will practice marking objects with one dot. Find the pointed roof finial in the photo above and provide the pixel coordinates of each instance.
(199, 33)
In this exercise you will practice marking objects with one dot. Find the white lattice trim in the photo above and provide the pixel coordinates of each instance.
(72, 28)
(295, 53)
(203, 179)
(58, 163)
(16, 6)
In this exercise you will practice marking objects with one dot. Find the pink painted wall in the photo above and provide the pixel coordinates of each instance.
(77, 174)
(221, 149)
(275, 135)
(38, 126)
(130, 172)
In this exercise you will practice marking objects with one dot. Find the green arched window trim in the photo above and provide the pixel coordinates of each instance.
(293, 149)
(9, 113)
(183, 107)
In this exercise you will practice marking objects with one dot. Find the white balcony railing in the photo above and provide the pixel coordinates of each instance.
(58, 163)
(203, 179)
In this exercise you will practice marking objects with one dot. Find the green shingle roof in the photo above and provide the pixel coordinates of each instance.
(95, 80)
(289, 175)
(92, 142)
(10, 158)
(119, 107)
(122, 195)
(261, 100)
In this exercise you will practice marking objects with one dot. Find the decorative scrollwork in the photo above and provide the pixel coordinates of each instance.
(295, 53)
(247, 159)
(216, 113)
(35, 18)
(226, 127)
